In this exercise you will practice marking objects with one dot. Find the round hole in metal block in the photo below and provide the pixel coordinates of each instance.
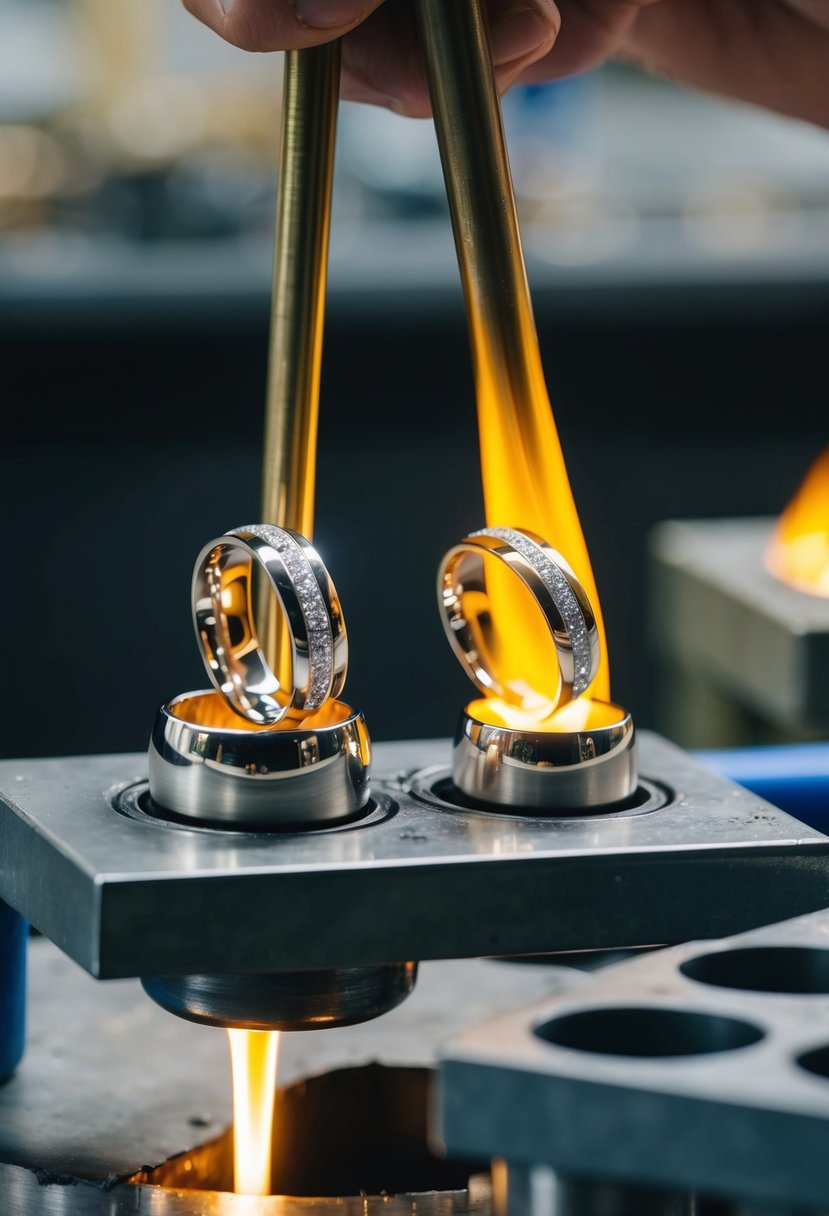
(815, 1062)
(648, 1032)
(355, 1133)
(797, 970)
(435, 786)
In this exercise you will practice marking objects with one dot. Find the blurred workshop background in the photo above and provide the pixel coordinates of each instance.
(678, 251)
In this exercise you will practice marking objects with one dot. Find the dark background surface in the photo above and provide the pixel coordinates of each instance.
(132, 437)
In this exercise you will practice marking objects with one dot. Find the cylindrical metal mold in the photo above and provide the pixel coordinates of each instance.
(530, 769)
(285, 1000)
(207, 764)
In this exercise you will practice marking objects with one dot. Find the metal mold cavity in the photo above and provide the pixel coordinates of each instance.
(648, 1032)
(798, 970)
(816, 1062)
(701, 1088)
(135, 801)
(351, 1132)
(435, 786)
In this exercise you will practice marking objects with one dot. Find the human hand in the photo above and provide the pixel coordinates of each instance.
(772, 52)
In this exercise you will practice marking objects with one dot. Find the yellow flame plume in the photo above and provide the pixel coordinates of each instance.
(254, 1056)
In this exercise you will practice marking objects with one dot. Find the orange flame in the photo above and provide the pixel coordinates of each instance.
(581, 714)
(799, 550)
(526, 485)
(254, 1055)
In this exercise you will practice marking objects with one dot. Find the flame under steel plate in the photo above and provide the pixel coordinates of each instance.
(111, 1085)
(130, 896)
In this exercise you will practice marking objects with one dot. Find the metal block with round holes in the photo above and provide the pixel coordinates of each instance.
(699, 1070)
(421, 873)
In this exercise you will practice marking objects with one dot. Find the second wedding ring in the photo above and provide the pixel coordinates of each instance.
(472, 627)
(228, 579)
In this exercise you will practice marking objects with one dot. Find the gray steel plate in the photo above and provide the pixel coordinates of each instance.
(745, 1122)
(130, 896)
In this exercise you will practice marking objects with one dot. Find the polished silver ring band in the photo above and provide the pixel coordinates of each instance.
(225, 595)
(208, 766)
(571, 772)
(561, 599)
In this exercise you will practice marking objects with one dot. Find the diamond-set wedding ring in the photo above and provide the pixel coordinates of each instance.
(228, 578)
(471, 625)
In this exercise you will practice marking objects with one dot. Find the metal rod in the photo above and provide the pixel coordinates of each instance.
(524, 476)
(300, 269)
(306, 169)
(479, 185)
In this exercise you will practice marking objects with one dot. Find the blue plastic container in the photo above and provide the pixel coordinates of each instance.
(14, 934)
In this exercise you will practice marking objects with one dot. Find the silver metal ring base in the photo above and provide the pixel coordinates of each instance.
(285, 1000)
(208, 764)
(556, 773)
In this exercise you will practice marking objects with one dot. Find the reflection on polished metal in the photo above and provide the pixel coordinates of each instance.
(208, 765)
(473, 631)
(568, 772)
(225, 579)
(290, 1000)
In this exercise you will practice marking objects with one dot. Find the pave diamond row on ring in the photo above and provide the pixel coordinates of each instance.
(312, 604)
(563, 597)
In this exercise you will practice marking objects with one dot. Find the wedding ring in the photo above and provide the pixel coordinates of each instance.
(226, 580)
(562, 601)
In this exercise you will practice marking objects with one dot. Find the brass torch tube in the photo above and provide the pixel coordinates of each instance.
(306, 170)
(300, 270)
(473, 152)
(524, 477)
